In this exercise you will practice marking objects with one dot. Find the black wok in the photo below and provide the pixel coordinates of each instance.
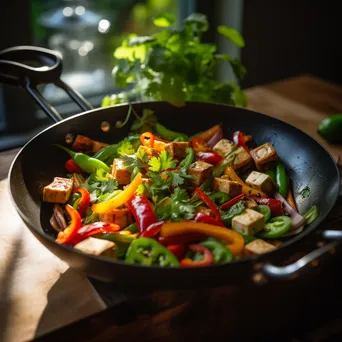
(309, 165)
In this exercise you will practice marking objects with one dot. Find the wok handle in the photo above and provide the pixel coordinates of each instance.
(299, 266)
(18, 68)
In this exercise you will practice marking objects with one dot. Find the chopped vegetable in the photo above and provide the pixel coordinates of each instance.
(71, 167)
(84, 201)
(236, 209)
(167, 134)
(220, 252)
(67, 235)
(209, 157)
(276, 227)
(311, 214)
(207, 257)
(282, 180)
(209, 203)
(265, 210)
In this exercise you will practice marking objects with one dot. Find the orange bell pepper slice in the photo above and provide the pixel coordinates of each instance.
(235, 241)
(120, 199)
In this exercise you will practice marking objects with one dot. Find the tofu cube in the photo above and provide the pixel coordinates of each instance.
(59, 191)
(94, 246)
(223, 184)
(200, 171)
(224, 147)
(242, 158)
(250, 222)
(82, 143)
(177, 149)
(263, 154)
(120, 172)
(258, 247)
(250, 204)
(260, 181)
(121, 217)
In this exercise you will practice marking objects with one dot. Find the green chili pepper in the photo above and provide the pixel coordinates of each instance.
(219, 197)
(276, 227)
(167, 134)
(282, 180)
(220, 167)
(117, 238)
(187, 161)
(272, 174)
(146, 251)
(205, 186)
(180, 139)
(265, 210)
(235, 210)
(86, 163)
(248, 238)
(106, 152)
(220, 252)
(311, 215)
(133, 228)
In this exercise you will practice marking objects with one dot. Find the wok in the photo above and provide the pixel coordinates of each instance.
(309, 164)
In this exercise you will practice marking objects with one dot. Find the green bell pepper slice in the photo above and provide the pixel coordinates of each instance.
(187, 161)
(167, 134)
(148, 252)
(133, 228)
(220, 167)
(282, 180)
(221, 253)
(311, 215)
(219, 197)
(276, 227)
(265, 210)
(236, 209)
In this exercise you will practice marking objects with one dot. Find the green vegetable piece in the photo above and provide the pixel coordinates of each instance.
(220, 167)
(248, 238)
(220, 252)
(117, 238)
(265, 210)
(86, 163)
(188, 160)
(276, 227)
(167, 134)
(75, 197)
(236, 209)
(330, 128)
(148, 252)
(133, 228)
(164, 20)
(219, 197)
(205, 186)
(231, 34)
(282, 180)
(272, 174)
(311, 214)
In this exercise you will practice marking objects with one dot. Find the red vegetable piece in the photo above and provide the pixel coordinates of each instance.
(209, 157)
(178, 250)
(66, 236)
(152, 230)
(84, 201)
(202, 217)
(239, 140)
(233, 201)
(207, 257)
(71, 167)
(200, 145)
(209, 203)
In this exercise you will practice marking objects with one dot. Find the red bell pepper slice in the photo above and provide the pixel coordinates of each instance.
(209, 203)
(67, 235)
(200, 145)
(71, 167)
(207, 257)
(147, 139)
(84, 201)
(202, 217)
(178, 250)
(94, 229)
(233, 201)
(274, 204)
(209, 157)
(142, 211)
(239, 140)
(152, 230)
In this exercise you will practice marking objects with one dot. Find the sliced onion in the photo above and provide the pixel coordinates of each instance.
(215, 138)
(297, 219)
(78, 180)
(59, 216)
(54, 223)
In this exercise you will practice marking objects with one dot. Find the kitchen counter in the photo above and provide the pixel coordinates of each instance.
(65, 313)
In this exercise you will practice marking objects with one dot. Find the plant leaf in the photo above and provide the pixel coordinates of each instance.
(231, 34)
(197, 20)
(164, 20)
(238, 68)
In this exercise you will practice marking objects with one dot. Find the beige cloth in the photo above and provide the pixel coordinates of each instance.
(38, 292)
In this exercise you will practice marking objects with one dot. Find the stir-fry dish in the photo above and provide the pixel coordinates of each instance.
(162, 198)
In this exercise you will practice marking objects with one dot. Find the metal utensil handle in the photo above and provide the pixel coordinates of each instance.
(288, 271)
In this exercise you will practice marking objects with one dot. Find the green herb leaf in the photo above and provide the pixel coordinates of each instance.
(125, 147)
(231, 34)
(162, 162)
(198, 20)
(98, 187)
(164, 20)
(145, 123)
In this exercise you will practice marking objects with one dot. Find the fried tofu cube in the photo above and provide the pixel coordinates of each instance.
(94, 246)
(59, 191)
(121, 217)
(250, 204)
(223, 184)
(263, 154)
(82, 143)
(200, 170)
(258, 247)
(242, 158)
(177, 149)
(260, 181)
(224, 147)
(250, 222)
(120, 172)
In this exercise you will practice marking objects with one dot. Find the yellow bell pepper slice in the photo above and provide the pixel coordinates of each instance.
(235, 241)
(119, 200)
(246, 189)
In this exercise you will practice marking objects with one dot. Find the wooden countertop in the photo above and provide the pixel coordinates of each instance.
(302, 101)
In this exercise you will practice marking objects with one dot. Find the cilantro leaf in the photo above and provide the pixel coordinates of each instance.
(145, 123)
(100, 188)
(159, 186)
(140, 190)
(125, 147)
(162, 162)
(136, 161)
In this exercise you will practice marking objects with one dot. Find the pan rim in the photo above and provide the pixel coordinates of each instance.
(293, 240)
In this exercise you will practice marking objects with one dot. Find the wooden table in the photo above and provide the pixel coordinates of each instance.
(302, 101)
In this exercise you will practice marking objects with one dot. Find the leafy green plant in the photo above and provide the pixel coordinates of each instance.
(175, 66)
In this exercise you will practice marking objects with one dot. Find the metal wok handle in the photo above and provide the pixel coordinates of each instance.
(30, 66)
(288, 271)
